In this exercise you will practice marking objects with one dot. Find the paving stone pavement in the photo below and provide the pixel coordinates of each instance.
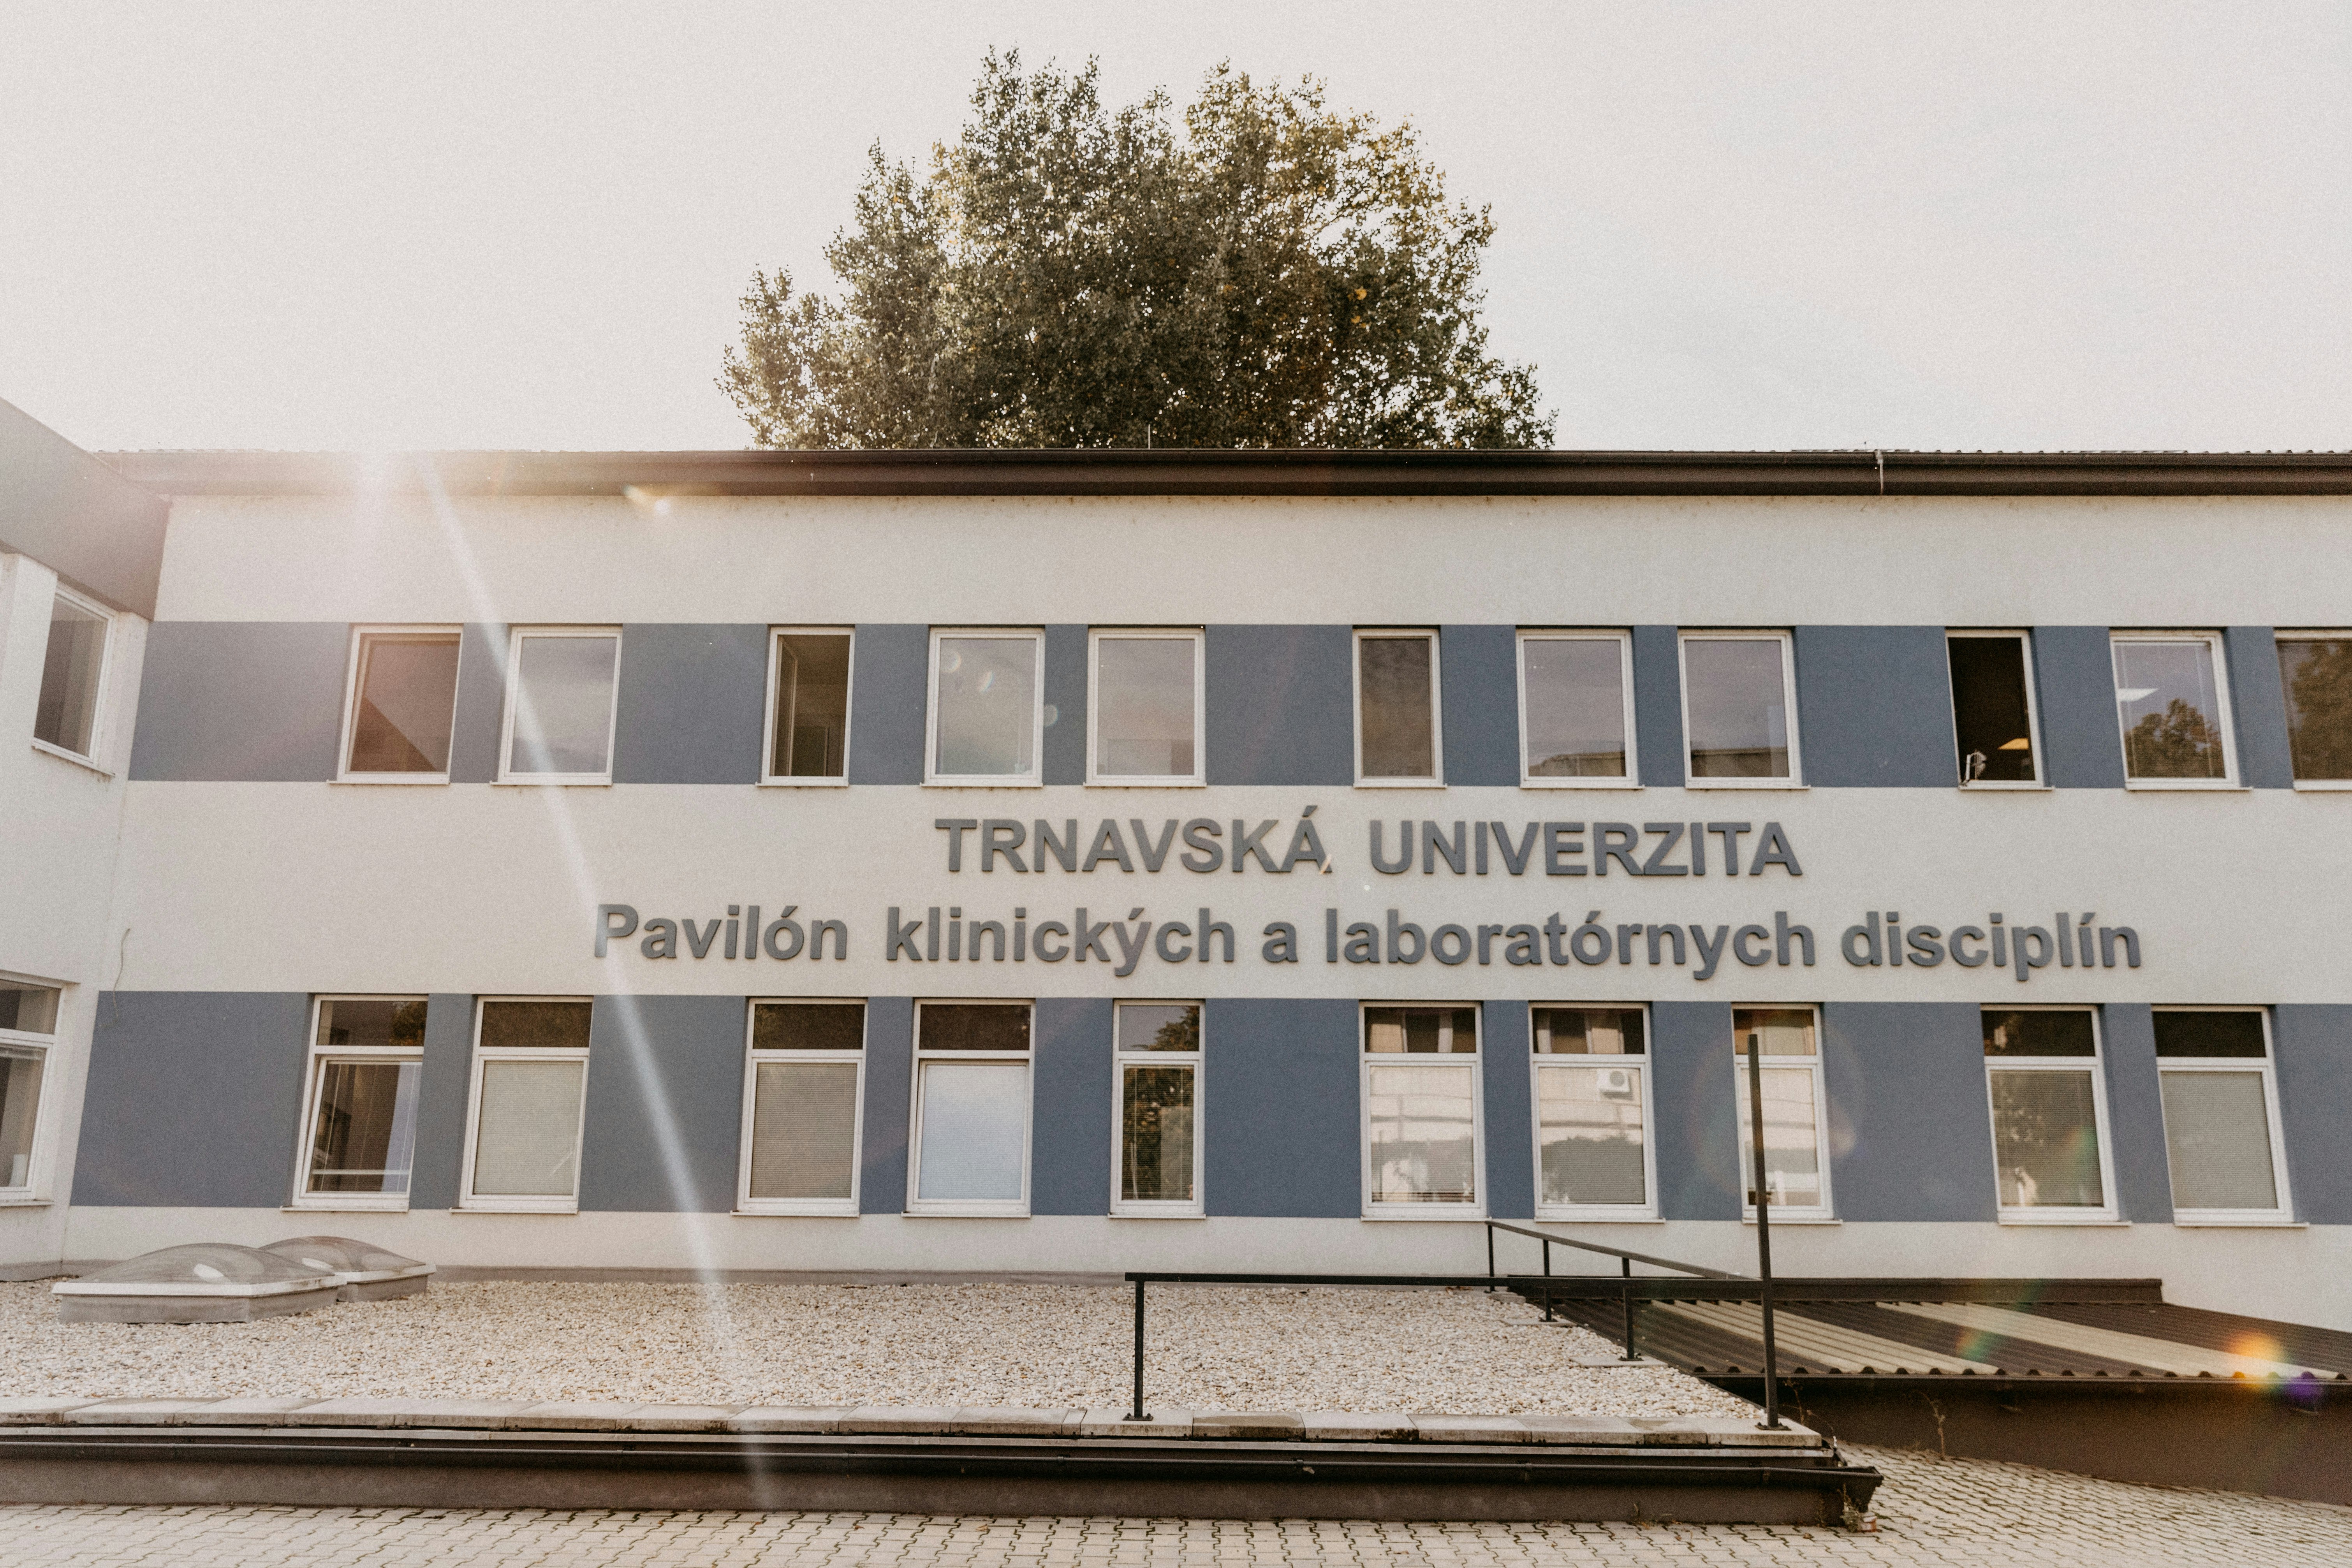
(1961, 1511)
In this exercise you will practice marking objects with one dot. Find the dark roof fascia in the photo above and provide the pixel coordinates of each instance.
(1248, 473)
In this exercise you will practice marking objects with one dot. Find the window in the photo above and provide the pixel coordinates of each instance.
(1796, 1146)
(72, 677)
(1992, 709)
(1158, 1049)
(1146, 718)
(1421, 1118)
(360, 1134)
(1576, 709)
(971, 1109)
(1594, 1154)
(2175, 714)
(808, 709)
(2221, 1116)
(561, 693)
(2049, 1115)
(987, 721)
(2316, 670)
(401, 697)
(802, 1105)
(523, 1142)
(28, 1027)
(1396, 709)
(1737, 708)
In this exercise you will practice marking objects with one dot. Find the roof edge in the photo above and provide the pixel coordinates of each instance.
(1194, 472)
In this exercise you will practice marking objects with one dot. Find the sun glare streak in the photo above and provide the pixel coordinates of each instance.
(636, 1042)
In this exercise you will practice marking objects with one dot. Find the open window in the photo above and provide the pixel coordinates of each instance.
(2048, 1097)
(399, 706)
(804, 1101)
(359, 1129)
(1993, 709)
(1421, 1112)
(73, 676)
(28, 1028)
(2221, 1116)
(808, 707)
(1576, 709)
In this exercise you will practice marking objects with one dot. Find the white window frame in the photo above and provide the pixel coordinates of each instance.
(42, 1049)
(2305, 634)
(972, 1208)
(317, 1060)
(1121, 1060)
(1035, 777)
(1787, 641)
(1475, 1060)
(343, 773)
(1436, 704)
(1537, 1060)
(1624, 639)
(2041, 779)
(1824, 1212)
(768, 727)
(495, 1203)
(752, 1060)
(1199, 776)
(2097, 1065)
(100, 707)
(2223, 719)
(2283, 1212)
(514, 675)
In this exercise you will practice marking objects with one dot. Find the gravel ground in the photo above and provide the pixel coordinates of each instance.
(1040, 1346)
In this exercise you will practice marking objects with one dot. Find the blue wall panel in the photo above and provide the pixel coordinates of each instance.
(1065, 760)
(1281, 1111)
(243, 701)
(2136, 1112)
(2258, 704)
(1658, 705)
(444, 1086)
(888, 688)
(890, 1086)
(1070, 1126)
(1281, 704)
(692, 704)
(1506, 1071)
(1911, 1132)
(194, 1098)
(481, 703)
(1874, 707)
(1698, 1150)
(665, 1104)
(2314, 1045)
(2074, 677)
(1477, 668)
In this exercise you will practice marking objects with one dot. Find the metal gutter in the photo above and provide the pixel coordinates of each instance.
(1165, 472)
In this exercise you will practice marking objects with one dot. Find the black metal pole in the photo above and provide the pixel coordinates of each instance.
(1625, 1268)
(1139, 1412)
(1763, 1234)
(1490, 1254)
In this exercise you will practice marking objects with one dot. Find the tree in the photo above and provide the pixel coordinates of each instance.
(1276, 274)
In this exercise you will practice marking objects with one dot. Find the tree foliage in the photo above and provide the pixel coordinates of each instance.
(1268, 272)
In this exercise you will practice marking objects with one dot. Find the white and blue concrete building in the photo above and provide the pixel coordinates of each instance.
(1086, 861)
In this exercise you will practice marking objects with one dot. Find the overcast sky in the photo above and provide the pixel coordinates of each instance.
(1739, 225)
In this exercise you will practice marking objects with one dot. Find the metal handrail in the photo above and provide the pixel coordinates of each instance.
(1494, 1224)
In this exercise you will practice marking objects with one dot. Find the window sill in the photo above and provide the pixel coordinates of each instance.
(2233, 1222)
(740, 1212)
(1422, 1214)
(806, 783)
(1400, 784)
(1779, 1218)
(75, 758)
(1147, 784)
(984, 784)
(563, 783)
(976, 1212)
(573, 1208)
(1596, 1216)
(2186, 786)
(1581, 783)
(401, 1207)
(2324, 786)
(2005, 787)
(2094, 1221)
(1159, 1214)
(393, 779)
(1689, 783)
(25, 1200)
